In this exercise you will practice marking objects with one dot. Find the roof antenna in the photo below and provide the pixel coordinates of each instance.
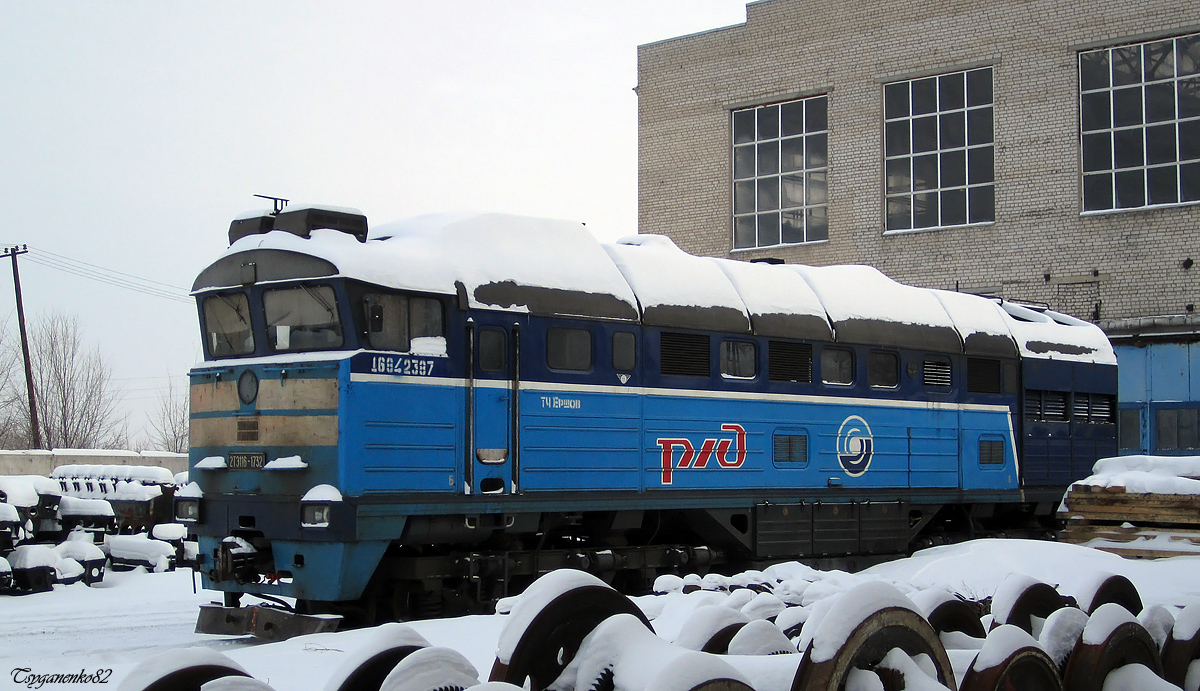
(279, 202)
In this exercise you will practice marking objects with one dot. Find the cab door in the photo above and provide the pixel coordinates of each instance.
(490, 399)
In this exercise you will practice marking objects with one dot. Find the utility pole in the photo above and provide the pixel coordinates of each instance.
(33, 418)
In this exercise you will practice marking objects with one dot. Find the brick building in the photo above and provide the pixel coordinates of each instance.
(1043, 150)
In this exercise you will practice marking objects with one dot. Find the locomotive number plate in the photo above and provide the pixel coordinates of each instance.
(247, 461)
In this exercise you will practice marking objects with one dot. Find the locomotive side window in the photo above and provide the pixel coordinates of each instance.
(492, 350)
(738, 360)
(227, 325)
(624, 351)
(425, 318)
(837, 366)
(387, 321)
(393, 320)
(788, 361)
(568, 349)
(883, 370)
(302, 318)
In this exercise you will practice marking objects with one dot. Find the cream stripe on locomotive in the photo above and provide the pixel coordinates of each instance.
(692, 393)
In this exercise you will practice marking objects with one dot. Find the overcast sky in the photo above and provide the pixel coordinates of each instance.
(131, 133)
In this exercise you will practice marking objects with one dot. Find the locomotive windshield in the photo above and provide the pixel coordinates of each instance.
(227, 325)
(302, 318)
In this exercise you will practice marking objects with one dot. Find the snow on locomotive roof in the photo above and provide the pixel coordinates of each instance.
(866, 306)
(1051, 335)
(555, 267)
(678, 289)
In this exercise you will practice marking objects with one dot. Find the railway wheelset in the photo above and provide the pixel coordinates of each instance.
(571, 632)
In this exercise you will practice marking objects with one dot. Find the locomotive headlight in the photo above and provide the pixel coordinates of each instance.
(314, 515)
(247, 387)
(187, 510)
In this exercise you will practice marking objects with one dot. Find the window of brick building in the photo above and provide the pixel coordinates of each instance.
(938, 153)
(780, 173)
(1139, 118)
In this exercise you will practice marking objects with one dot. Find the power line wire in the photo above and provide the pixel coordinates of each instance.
(114, 278)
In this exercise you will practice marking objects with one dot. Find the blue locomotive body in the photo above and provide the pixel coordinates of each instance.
(398, 445)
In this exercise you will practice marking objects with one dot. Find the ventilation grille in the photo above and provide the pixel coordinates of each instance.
(685, 355)
(983, 376)
(936, 373)
(1092, 408)
(991, 452)
(247, 429)
(791, 448)
(789, 362)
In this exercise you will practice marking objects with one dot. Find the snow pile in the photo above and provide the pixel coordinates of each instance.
(169, 532)
(134, 490)
(9, 513)
(1147, 474)
(22, 490)
(140, 550)
(286, 463)
(71, 506)
(32, 557)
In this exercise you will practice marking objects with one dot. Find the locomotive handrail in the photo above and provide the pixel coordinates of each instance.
(516, 409)
(469, 426)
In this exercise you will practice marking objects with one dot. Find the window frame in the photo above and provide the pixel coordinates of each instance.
(901, 121)
(871, 370)
(853, 363)
(1108, 132)
(566, 348)
(761, 146)
(732, 354)
(272, 340)
(222, 296)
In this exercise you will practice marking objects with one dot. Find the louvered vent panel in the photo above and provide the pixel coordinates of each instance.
(789, 361)
(1054, 407)
(685, 354)
(936, 373)
(1102, 410)
(1079, 407)
(983, 375)
(1033, 404)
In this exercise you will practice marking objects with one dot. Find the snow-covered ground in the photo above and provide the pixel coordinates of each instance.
(134, 616)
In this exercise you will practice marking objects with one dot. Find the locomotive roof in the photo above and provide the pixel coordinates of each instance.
(555, 267)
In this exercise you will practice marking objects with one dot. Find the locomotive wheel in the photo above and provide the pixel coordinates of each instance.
(719, 642)
(181, 670)
(693, 671)
(552, 638)
(1028, 668)
(369, 675)
(1038, 600)
(956, 615)
(1120, 590)
(1177, 655)
(871, 640)
(1089, 664)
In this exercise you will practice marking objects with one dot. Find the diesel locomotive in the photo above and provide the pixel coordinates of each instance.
(419, 418)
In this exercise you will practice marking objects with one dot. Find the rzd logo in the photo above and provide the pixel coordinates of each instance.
(699, 459)
(855, 446)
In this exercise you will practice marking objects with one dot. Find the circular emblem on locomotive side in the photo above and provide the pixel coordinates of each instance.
(855, 445)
